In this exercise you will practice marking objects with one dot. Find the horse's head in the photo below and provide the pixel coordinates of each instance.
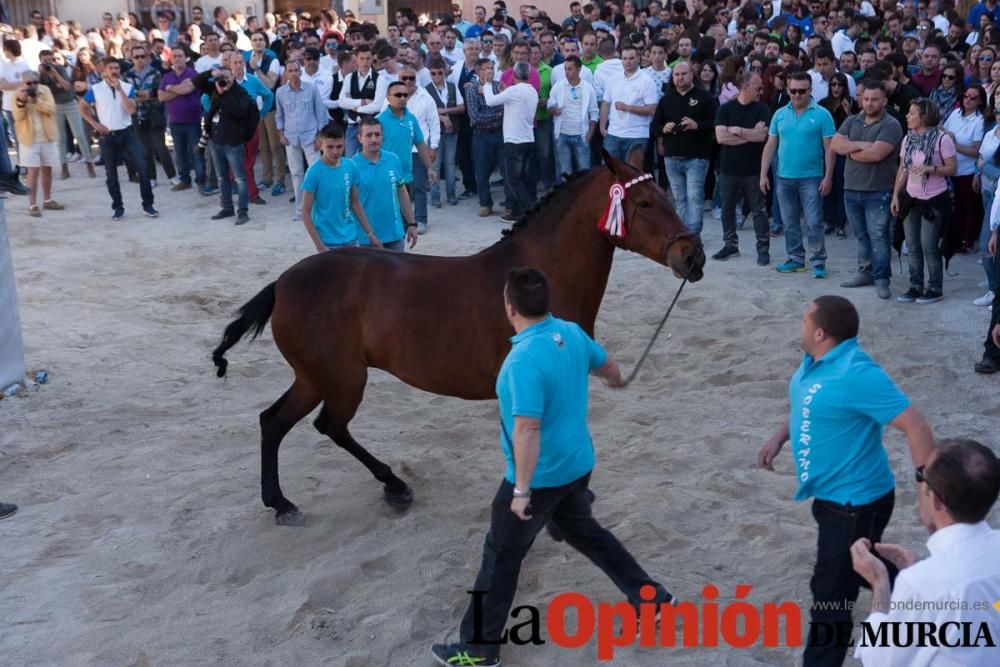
(652, 227)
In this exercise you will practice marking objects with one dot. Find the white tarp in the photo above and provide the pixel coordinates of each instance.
(11, 344)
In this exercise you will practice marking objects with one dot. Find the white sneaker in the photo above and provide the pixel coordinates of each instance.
(153, 183)
(984, 300)
(905, 250)
(717, 213)
(72, 157)
(175, 180)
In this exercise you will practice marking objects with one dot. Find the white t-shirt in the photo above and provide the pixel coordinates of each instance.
(559, 74)
(637, 90)
(520, 102)
(11, 73)
(967, 130)
(206, 63)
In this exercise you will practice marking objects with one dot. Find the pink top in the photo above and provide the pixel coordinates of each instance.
(930, 186)
(507, 79)
(728, 92)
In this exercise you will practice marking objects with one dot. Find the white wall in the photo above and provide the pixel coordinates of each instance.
(89, 12)
(11, 345)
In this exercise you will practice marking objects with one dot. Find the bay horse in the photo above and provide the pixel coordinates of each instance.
(438, 323)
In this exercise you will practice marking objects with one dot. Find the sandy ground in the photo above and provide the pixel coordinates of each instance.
(141, 538)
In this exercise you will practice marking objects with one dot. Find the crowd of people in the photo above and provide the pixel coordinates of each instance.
(873, 120)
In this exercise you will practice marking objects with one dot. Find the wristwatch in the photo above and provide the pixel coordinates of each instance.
(518, 493)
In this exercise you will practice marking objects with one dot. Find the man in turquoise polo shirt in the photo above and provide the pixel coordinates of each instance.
(542, 389)
(382, 191)
(840, 402)
(401, 133)
(801, 132)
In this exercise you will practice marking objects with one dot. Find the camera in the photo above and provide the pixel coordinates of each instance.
(47, 68)
(32, 92)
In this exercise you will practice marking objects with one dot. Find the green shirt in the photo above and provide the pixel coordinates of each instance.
(545, 79)
(592, 63)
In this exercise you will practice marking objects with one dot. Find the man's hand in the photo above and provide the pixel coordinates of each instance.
(282, 139)
(765, 458)
(825, 186)
(689, 124)
(555, 111)
(432, 176)
(996, 335)
(321, 248)
(102, 129)
(375, 242)
(765, 185)
(894, 205)
(411, 236)
(991, 246)
(621, 106)
(668, 128)
(519, 506)
(866, 564)
(899, 556)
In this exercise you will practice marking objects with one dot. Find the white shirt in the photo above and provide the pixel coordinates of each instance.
(110, 111)
(637, 90)
(424, 77)
(559, 74)
(206, 63)
(964, 567)
(345, 101)
(967, 130)
(941, 23)
(821, 88)
(31, 50)
(423, 106)
(585, 105)
(11, 73)
(842, 42)
(659, 77)
(606, 72)
(520, 102)
(455, 55)
(381, 90)
(323, 79)
(329, 64)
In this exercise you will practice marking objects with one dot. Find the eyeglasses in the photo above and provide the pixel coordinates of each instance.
(407, 78)
(401, 96)
(921, 478)
(985, 59)
(798, 91)
(837, 84)
(757, 69)
(950, 77)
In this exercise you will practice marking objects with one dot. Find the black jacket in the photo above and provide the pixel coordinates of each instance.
(232, 108)
(699, 106)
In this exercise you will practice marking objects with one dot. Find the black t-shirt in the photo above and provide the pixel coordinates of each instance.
(742, 160)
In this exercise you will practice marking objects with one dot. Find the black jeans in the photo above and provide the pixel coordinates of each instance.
(154, 147)
(116, 147)
(992, 350)
(464, 153)
(521, 175)
(835, 584)
(730, 188)
(508, 542)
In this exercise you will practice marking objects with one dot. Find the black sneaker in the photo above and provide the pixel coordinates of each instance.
(11, 184)
(763, 259)
(7, 510)
(258, 200)
(118, 214)
(150, 211)
(224, 213)
(462, 655)
(468, 195)
(930, 296)
(509, 218)
(727, 252)
(987, 365)
(909, 296)
(242, 218)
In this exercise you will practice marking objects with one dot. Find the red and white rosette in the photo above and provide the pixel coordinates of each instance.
(612, 222)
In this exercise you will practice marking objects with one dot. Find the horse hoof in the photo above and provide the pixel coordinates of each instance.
(400, 500)
(290, 518)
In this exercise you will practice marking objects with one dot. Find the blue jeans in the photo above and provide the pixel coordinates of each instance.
(230, 159)
(923, 240)
(800, 196)
(687, 182)
(545, 149)
(989, 191)
(5, 166)
(487, 155)
(444, 166)
(335, 246)
(185, 136)
(352, 144)
(418, 189)
(868, 213)
(8, 117)
(621, 148)
(572, 154)
(123, 146)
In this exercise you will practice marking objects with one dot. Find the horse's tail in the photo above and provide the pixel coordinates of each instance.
(253, 317)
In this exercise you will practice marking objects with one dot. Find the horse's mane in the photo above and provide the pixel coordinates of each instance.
(531, 218)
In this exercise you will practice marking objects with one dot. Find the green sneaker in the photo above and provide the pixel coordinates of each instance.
(460, 655)
(791, 266)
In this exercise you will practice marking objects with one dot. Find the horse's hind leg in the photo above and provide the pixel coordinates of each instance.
(275, 423)
(395, 490)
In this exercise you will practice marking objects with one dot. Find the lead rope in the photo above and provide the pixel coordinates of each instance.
(656, 334)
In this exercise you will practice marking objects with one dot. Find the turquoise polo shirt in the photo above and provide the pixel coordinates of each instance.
(399, 136)
(545, 377)
(378, 183)
(839, 406)
(800, 140)
(331, 210)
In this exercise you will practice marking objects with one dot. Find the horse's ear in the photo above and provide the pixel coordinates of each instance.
(636, 158)
(616, 166)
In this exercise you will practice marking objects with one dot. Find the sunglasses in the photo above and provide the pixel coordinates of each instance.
(401, 96)
(971, 98)
(407, 78)
(757, 69)
(837, 84)
(921, 478)
(798, 91)
(950, 77)
(985, 59)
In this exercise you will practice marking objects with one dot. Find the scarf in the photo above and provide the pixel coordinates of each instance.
(926, 143)
(945, 99)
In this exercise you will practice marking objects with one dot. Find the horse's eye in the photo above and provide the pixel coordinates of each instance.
(643, 204)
